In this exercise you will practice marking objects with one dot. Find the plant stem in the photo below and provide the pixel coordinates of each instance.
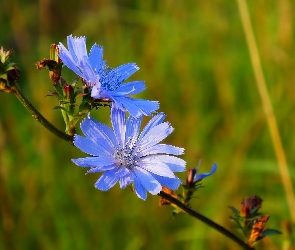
(16, 90)
(205, 220)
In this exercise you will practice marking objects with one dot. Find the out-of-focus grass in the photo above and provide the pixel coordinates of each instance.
(194, 60)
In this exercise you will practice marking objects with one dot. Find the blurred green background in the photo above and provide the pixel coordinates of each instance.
(194, 59)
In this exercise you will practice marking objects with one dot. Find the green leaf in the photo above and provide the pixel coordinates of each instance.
(270, 231)
(59, 90)
(234, 210)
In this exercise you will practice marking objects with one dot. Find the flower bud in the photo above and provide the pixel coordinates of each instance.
(8, 71)
(250, 206)
(190, 177)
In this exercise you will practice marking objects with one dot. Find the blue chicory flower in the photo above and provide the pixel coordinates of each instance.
(127, 156)
(105, 82)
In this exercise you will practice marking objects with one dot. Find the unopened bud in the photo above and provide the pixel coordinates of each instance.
(190, 177)
(245, 211)
(248, 204)
(9, 73)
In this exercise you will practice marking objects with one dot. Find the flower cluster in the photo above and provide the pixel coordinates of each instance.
(122, 152)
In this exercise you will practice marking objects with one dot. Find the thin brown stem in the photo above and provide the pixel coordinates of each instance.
(205, 220)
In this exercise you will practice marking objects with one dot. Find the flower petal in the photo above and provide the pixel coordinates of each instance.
(96, 57)
(87, 146)
(89, 75)
(147, 180)
(128, 104)
(99, 133)
(68, 60)
(132, 130)
(155, 135)
(119, 125)
(107, 180)
(94, 161)
(175, 164)
(139, 189)
(131, 88)
(171, 183)
(147, 106)
(101, 169)
(124, 71)
(157, 119)
(161, 149)
(202, 176)
(126, 179)
(77, 47)
(155, 166)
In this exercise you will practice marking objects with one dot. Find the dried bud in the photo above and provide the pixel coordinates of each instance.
(54, 69)
(53, 64)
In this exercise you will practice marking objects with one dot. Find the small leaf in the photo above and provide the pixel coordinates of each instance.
(269, 231)
(59, 90)
(234, 210)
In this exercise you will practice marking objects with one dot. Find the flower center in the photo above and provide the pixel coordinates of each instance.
(125, 157)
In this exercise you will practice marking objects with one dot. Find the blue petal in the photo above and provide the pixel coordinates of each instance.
(88, 146)
(101, 169)
(77, 47)
(139, 189)
(155, 135)
(99, 133)
(129, 105)
(126, 179)
(171, 183)
(119, 125)
(161, 149)
(202, 176)
(68, 60)
(131, 88)
(156, 166)
(124, 71)
(107, 180)
(147, 106)
(137, 107)
(175, 164)
(157, 119)
(147, 180)
(95, 57)
(132, 130)
(89, 75)
(94, 161)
